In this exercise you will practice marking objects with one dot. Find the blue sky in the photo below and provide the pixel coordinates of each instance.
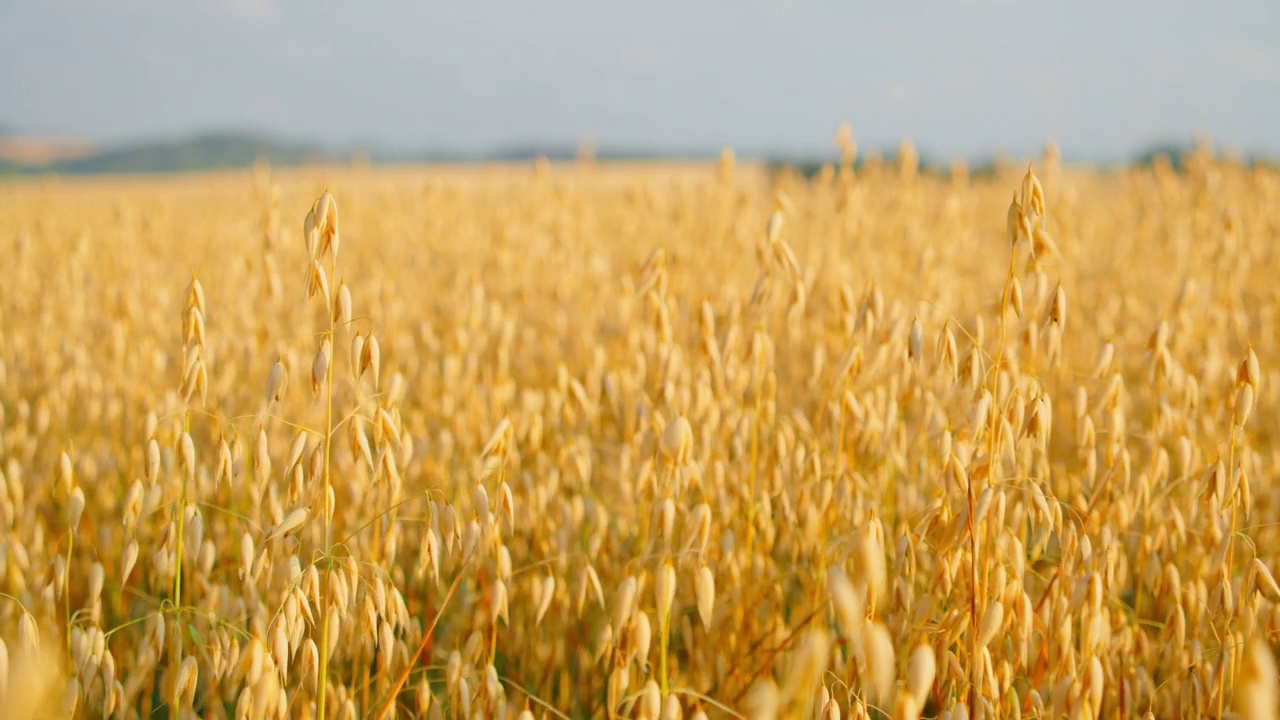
(960, 77)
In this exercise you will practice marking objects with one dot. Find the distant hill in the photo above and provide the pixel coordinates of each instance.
(22, 154)
(20, 150)
(202, 152)
(1172, 150)
(214, 151)
(211, 151)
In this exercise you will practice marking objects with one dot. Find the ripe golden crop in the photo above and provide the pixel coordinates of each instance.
(641, 441)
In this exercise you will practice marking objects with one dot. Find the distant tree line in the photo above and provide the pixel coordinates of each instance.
(230, 150)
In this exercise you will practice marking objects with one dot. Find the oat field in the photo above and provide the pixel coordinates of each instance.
(610, 441)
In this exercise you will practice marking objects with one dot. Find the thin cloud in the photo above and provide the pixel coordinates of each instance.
(249, 14)
(1254, 62)
(296, 52)
(256, 14)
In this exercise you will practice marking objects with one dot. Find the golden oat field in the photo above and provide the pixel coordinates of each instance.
(642, 441)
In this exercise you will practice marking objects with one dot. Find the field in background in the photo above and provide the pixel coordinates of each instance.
(42, 151)
(640, 441)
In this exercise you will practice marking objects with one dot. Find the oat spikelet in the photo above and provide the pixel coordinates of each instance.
(1256, 694)
(677, 439)
(878, 650)
(291, 522)
(1244, 405)
(623, 604)
(1266, 582)
(664, 589)
(705, 591)
(848, 605)
(920, 672)
(761, 702)
(546, 593)
(320, 366)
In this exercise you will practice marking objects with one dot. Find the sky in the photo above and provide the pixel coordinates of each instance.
(960, 78)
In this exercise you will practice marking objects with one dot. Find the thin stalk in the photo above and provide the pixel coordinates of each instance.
(175, 657)
(426, 640)
(840, 439)
(1146, 515)
(1228, 644)
(66, 589)
(976, 599)
(323, 684)
(493, 633)
(361, 662)
(664, 631)
(493, 641)
(751, 500)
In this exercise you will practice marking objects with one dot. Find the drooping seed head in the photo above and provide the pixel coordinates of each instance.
(705, 592)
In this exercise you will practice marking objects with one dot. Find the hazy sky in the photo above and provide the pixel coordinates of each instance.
(959, 78)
